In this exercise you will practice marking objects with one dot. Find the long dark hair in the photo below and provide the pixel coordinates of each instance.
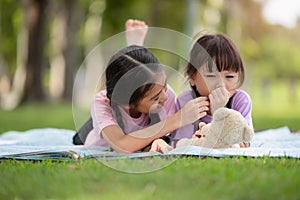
(130, 74)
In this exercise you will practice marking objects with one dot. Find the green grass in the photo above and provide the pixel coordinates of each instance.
(276, 108)
(186, 178)
(37, 116)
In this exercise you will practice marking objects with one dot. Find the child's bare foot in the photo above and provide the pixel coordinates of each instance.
(136, 31)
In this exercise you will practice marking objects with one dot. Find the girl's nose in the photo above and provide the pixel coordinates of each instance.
(220, 82)
(163, 97)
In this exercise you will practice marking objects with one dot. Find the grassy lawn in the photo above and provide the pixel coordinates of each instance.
(186, 178)
(275, 108)
(37, 116)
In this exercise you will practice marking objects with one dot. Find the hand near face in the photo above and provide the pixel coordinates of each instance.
(218, 98)
(194, 110)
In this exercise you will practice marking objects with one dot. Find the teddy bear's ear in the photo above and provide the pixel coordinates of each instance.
(221, 113)
(248, 134)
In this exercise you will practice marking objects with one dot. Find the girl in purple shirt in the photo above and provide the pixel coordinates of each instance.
(215, 70)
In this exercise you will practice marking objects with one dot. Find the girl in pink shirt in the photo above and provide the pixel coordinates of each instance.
(137, 106)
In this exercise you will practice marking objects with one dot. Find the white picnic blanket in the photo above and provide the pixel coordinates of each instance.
(279, 142)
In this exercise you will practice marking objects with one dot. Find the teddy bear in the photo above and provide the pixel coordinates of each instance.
(227, 130)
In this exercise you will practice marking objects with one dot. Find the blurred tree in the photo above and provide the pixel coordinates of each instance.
(156, 13)
(76, 27)
(36, 19)
(118, 11)
(65, 58)
(11, 17)
(282, 55)
(71, 52)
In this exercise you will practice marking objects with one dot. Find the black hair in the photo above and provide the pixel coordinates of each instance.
(130, 74)
(215, 49)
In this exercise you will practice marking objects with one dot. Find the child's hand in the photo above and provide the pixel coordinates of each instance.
(160, 145)
(218, 98)
(194, 110)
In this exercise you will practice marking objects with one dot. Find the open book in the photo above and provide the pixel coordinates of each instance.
(67, 153)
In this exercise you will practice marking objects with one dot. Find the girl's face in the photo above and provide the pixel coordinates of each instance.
(206, 81)
(153, 100)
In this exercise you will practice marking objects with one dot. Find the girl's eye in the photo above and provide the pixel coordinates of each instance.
(210, 76)
(229, 76)
(156, 98)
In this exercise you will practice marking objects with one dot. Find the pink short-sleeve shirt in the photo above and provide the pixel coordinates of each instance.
(103, 116)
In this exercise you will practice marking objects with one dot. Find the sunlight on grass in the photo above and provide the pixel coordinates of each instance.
(138, 166)
(275, 107)
(37, 116)
(187, 178)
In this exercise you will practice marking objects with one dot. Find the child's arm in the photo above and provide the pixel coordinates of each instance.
(134, 141)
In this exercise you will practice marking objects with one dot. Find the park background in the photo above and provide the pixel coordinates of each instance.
(43, 44)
